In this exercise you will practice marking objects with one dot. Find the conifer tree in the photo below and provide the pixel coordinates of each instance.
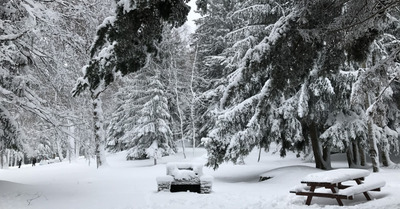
(288, 87)
(122, 46)
(169, 69)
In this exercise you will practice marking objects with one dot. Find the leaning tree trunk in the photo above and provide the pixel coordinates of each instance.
(99, 136)
(322, 157)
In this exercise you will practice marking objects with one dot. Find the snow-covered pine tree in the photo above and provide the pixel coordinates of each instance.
(374, 93)
(210, 43)
(298, 65)
(170, 69)
(149, 134)
(246, 23)
(122, 46)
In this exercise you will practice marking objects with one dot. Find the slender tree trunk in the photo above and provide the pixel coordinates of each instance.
(59, 150)
(77, 148)
(373, 149)
(259, 153)
(2, 159)
(350, 155)
(71, 143)
(180, 113)
(192, 110)
(356, 156)
(385, 157)
(373, 153)
(361, 152)
(322, 160)
(99, 136)
(327, 157)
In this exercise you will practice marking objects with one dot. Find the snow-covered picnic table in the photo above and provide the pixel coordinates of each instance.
(185, 177)
(329, 185)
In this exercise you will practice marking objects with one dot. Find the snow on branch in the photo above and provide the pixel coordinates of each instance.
(11, 37)
(279, 29)
(363, 82)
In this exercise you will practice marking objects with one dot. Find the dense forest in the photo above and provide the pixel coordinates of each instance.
(315, 77)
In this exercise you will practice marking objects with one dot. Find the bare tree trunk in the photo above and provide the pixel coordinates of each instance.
(71, 143)
(99, 136)
(322, 157)
(180, 113)
(385, 157)
(373, 153)
(373, 149)
(2, 158)
(350, 155)
(361, 151)
(192, 110)
(356, 156)
(59, 150)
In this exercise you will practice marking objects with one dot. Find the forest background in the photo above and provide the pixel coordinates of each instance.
(313, 77)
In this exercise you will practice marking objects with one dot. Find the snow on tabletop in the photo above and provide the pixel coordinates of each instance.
(183, 174)
(196, 167)
(357, 189)
(335, 176)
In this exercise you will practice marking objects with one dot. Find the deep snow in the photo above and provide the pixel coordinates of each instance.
(132, 185)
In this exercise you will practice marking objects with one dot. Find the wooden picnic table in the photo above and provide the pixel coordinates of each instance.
(330, 185)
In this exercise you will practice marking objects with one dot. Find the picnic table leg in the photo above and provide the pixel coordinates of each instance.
(333, 189)
(309, 198)
(365, 193)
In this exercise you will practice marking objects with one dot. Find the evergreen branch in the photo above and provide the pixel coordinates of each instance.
(374, 14)
(12, 37)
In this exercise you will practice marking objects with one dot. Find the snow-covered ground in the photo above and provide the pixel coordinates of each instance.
(132, 185)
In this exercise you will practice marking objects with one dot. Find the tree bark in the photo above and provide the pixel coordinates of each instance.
(350, 155)
(373, 153)
(361, 154)
(322, 160)
(373, 149)
(99, 136)
(386, 158)
(2, 158)
(356, 156)
(59, 150)
(193, 101)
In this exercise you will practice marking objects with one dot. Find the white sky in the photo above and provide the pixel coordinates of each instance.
(192, 16)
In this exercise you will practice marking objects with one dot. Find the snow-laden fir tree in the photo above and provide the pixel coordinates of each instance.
(236, 26)
(302, 68)
(246, 23)
(122, 46)
(142, 121)
(375, 93)
(165, 79)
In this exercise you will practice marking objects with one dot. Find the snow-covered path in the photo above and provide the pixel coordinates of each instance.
(131, 185)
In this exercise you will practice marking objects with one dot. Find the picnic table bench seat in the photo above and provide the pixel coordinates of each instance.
(349, 192)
